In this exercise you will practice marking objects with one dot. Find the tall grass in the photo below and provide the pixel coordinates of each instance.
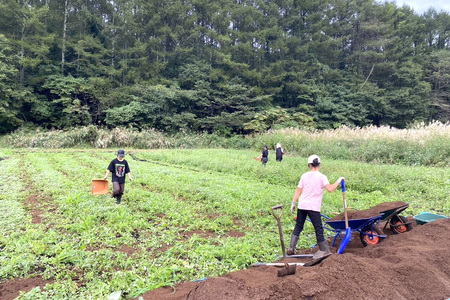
(90, 136)
(422, 144)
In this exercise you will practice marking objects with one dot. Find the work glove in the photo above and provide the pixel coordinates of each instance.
(104, 178)
(340, 179)
(293, 206)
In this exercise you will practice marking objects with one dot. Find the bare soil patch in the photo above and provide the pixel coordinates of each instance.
(11, 289)
(36, 203)
(162, 249)
(127, 250)
(201, 233)
(411, 265)
(32, 203)
(235, 233)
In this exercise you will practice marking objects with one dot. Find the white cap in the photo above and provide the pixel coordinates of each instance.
(312, 158)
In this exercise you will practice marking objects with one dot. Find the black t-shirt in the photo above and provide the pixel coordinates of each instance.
(265, 153)
(118, 169)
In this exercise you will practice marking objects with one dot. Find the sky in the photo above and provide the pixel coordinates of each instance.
(421, 6)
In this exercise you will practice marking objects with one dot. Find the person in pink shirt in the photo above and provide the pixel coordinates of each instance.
(310, 190)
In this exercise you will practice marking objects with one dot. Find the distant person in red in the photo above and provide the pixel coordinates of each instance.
(118, 167)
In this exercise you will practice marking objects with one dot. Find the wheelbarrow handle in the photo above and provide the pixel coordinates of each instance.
(280, 207)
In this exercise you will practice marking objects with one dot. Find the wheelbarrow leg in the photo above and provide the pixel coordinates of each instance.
(386, 224)
(335, 238)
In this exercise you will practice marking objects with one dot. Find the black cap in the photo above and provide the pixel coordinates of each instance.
(121, 153)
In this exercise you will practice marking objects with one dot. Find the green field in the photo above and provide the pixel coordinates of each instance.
(188, 214)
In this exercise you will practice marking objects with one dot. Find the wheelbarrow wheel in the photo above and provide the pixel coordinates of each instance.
(367, 237)
(399, 225)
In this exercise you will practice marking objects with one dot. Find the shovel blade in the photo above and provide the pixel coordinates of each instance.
(290, 270)
(317, 260)
(348, 235)
(276, 264)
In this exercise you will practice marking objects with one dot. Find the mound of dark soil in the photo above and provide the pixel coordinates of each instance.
(411, 265)
(371, 212)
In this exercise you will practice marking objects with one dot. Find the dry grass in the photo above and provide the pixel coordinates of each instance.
(422, 144)
(88, 136)
(420, 133)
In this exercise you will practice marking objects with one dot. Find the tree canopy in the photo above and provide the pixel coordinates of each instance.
(221, 66)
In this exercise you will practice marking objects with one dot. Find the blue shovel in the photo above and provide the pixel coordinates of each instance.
(348, 230)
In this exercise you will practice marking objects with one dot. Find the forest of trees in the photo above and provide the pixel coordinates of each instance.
(224, 66)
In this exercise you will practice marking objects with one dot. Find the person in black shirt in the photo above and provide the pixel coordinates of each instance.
(118, 167)
(265, 155)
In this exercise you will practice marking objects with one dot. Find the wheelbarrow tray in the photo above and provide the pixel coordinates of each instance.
(99, 187)
(354, 224)
(388, 214)
(359, 225)
(426, 217)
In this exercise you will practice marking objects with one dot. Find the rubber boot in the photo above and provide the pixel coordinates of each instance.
(324, 246)
(324, 250)
(119, 198)
(294, 240)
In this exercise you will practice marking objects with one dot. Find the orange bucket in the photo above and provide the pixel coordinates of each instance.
(100, 187)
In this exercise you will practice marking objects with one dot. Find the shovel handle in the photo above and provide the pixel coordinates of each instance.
(345, 203)
(280, 207)
(278, 217)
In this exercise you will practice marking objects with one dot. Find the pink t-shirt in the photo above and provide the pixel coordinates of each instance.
(312, 185)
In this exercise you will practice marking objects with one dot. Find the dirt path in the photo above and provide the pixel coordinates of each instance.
(35, 202)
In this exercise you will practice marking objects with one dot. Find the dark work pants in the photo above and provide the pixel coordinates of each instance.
(118, 189)
(264, 160)
(316, 220)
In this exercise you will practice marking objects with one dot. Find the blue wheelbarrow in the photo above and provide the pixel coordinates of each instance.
(368, 229)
